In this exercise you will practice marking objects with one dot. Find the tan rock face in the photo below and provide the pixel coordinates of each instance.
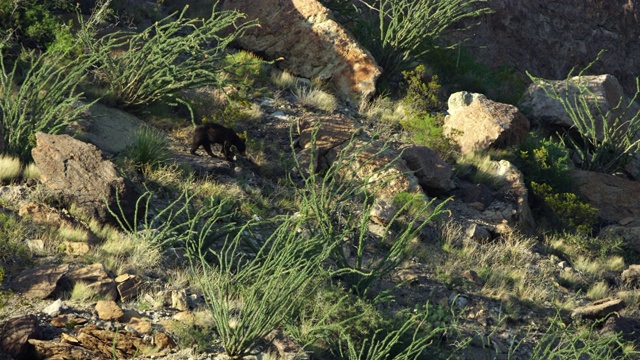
(310, 43)
(478, 123)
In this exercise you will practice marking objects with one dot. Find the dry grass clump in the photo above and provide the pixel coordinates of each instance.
(315, 98)
(503, 265)
(83, 292)
(10, 168)
(284, 80)
(31, 171)
(121, 253)
(73, 234)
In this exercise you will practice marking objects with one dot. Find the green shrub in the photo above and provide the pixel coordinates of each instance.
(423, 120)
(410, 340)
(543, 160)
(251, 295)
(423, 91)
(44, 98)
(573, 213)
(149, 148)
(248, 73)
(33, 23)
(174, 54)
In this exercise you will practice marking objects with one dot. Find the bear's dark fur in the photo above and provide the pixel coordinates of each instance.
(211, 133)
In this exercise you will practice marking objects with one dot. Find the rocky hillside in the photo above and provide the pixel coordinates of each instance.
(549, 38)
(405, 226)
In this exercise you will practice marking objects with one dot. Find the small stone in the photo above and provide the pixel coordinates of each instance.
(140, 326)
(163, 341)
(54, 308)
(109, 310)
(76, 248)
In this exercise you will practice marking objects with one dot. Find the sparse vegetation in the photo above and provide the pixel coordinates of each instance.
(140, 74)
(9, 168)
(279, 245)
(400, 33)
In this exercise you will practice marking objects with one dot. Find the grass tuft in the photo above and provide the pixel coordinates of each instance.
(9, 168)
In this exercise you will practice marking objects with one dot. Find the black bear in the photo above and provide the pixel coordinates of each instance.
(211, 133)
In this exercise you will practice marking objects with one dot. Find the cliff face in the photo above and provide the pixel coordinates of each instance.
(550, 37)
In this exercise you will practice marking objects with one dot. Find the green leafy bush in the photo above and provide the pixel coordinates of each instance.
(174, 54)
(544, 160)
(423, 120)
(33, 23)
(423, 91)
(573, 213)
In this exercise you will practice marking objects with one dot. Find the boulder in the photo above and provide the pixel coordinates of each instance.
(327, 135)
(617, 199)
(79, 172)
(111, 130)
(599, 309)
(433, 173)
(309, 44)
(127, 346)
(477, 123)
(15, 334)
(604, 95)
(129, 287)
(42, 282)
(109, 310)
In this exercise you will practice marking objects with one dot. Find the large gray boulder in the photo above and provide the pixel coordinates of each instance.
(81, 175)
(604, 95)
(309, 44)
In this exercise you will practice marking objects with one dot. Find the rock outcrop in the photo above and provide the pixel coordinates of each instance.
(603, 92)
(310, 44)
(477, 123)
(434, 174)
(79, 172)
(617, 199)
(550, 37)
